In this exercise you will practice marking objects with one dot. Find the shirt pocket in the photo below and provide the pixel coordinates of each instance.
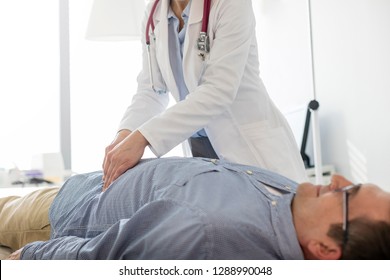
(185, 179)
(184, 172)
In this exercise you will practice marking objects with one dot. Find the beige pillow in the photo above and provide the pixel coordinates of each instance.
(25, 219)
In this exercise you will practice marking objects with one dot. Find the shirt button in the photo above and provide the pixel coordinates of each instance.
(214, 161)
(273, 203)
(249, 172)
(288, 187)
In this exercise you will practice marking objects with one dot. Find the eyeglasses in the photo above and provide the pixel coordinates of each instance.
(346, 191)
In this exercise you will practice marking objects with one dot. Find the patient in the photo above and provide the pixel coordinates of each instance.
(194, 208)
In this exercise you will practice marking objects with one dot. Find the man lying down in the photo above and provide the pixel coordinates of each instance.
(194, 208)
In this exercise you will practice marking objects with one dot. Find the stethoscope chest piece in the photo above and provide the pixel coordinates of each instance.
(203, 44)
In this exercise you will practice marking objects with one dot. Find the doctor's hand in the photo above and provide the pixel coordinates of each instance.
(118, 138)
(125, 155)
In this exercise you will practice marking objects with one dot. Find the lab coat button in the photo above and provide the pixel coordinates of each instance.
(273, 203)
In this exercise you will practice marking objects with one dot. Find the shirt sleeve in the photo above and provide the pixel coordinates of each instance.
(162, 230)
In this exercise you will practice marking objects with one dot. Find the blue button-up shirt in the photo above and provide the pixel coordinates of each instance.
(173, 208)
(176, 43)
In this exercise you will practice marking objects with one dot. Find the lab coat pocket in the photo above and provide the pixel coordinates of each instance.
(270, 144)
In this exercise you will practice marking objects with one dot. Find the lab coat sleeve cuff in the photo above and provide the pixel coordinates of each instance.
(153, 143)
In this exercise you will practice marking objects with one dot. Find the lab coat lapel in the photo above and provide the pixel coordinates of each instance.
(196, 12)
(192, 63)
(162, 48)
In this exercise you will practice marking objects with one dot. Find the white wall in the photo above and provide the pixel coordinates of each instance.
(352, 66)
(284, 47)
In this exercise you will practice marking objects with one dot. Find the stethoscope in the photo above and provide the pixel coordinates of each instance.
(203, 41)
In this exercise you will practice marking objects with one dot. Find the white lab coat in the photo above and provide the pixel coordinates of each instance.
(226, 94)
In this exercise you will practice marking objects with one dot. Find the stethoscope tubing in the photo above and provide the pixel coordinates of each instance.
(150, 27)
(206, 13)
(150, 23)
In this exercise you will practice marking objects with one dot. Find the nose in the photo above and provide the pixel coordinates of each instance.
(323, 189)
(338, 181)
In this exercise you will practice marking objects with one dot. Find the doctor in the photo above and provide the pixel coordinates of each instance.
(208, 60)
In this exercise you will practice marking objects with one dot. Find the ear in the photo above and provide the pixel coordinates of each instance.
(324, 250)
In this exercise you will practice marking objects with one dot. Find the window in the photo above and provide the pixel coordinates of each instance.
(29, 74)
(102, 83)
